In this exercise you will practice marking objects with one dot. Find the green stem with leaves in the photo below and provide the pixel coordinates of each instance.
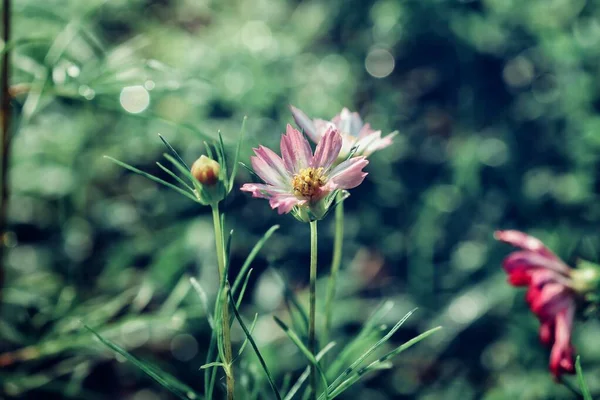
(225, 306)
(335, 267)
(312, 343)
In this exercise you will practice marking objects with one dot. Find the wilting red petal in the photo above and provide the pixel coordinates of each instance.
(561, 356)
(547, 332)
(526, 242)
(519, 277)
(527, 260)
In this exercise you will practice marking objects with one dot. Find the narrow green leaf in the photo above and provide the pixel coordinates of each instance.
(220, 148)
(251, 257)
(212, 364)
(255, 347)
(585, 391)
(369, 351)
(365, 334)
(306, 373)
(203, 301)
(243, 290)
(152, 177)
(245, 343)
(178, 179)
(298, 342)
(380, 363)
(209, 152)
(291, 298)
(237, 155)
(173, 151)
(251, 171)
(186, 172)
(166, 380)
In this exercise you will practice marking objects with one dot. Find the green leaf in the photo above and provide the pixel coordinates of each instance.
(245, 343)
(178, 179)
(255, 347)
(291, 299)
(243, 290)
(212, 364)
(306, 373)
(296, 340)
(369, 351)
(585, 391)
(169, 382)
(237, 155)
(251, 257)
(203, 301)
(172, 150)
(380, 363)
(370, 327)
(152, 177)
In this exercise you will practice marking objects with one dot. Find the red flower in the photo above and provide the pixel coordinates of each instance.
(550, 295)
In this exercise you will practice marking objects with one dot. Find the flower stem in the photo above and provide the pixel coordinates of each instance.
(5, 115)
(225, 306)
(335, 267)
(312, 345)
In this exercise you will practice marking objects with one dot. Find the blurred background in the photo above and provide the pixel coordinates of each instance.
(496, 102)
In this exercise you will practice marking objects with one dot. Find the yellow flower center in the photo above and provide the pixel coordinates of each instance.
(308, 181)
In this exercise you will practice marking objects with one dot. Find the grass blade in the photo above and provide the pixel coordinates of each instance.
(243, 289)
(296, 340)
(255, 347)
(252, 256)
(379, 363)
(169, 382)
(245, 343)
(585, 391)
(178, 179)
(237, 155)
(369, 351)
(173, 151)
(203, 301)
(370, 327)
(151, 177)
(304, 376)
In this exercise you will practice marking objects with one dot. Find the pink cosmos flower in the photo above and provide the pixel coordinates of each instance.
(300, 181)
(551, 294)
(354, 132)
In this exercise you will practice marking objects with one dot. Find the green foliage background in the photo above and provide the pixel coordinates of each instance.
(496, 102)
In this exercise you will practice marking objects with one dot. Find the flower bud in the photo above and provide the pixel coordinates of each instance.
(586, 277)
(206, 171)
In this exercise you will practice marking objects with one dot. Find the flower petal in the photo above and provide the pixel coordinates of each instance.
(524, 241)
(285, 202)
(260, 190)
(305, 123)
(561, 356)
(348, 174)
(269, 167)
(295, 150)
(524, 262)
(348, 122)
(327, 150)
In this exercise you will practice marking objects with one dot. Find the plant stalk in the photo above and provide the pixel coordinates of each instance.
(6, 114)
(335, 267)
(312, 344)
(225, 306)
